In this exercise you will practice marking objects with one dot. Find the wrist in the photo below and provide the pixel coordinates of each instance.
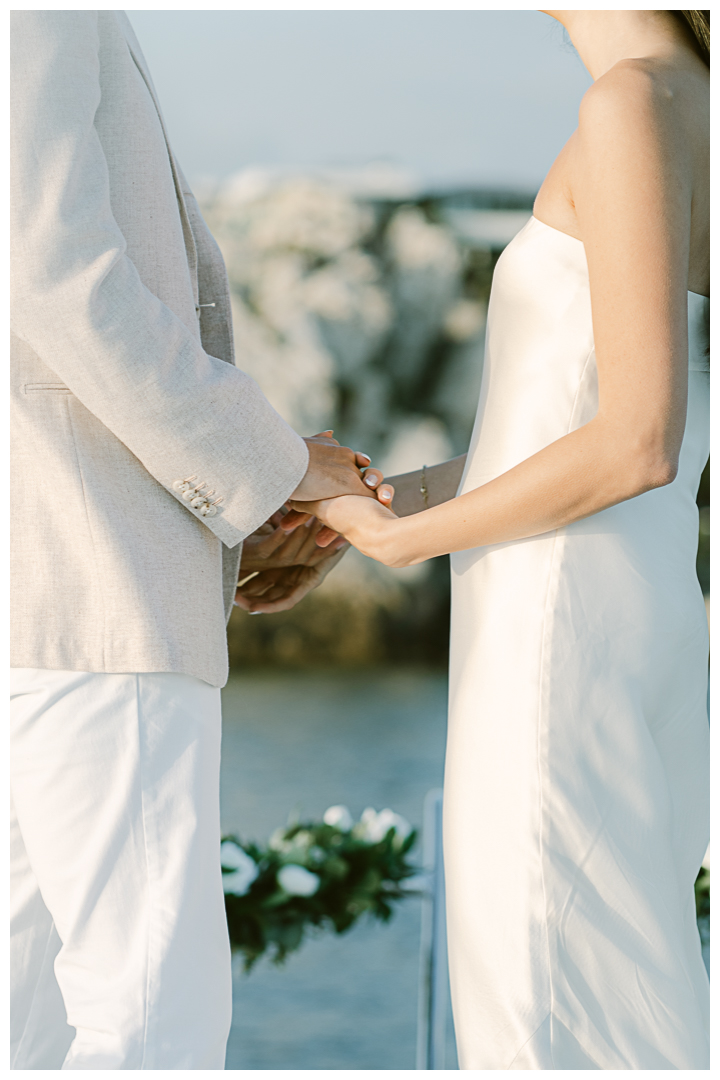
(392, 543)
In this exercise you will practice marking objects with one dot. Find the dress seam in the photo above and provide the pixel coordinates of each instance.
(529, 1039)
(545, 650)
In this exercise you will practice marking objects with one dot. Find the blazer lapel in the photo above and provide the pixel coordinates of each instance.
(139, 60)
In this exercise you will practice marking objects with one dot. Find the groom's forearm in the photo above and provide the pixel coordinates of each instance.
(439, 481)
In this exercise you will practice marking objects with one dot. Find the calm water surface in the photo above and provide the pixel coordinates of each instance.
(297, 742)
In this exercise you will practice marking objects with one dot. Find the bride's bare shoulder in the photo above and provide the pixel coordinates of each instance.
(642, 139)
(645, 98)
(630, 93)
(642, 123)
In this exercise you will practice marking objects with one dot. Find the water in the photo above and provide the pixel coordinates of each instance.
(300, 742)
(297, 742)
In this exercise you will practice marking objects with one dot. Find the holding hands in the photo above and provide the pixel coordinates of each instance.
(368, 526)
(333, 473)
(279, 568)
(335, 470)
(293, 552)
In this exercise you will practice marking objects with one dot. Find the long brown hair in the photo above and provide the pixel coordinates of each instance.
(698, 22)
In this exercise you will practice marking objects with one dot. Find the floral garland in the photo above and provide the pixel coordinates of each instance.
(314, 874)
(326, 875)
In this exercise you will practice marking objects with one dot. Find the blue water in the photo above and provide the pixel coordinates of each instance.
(302, 742)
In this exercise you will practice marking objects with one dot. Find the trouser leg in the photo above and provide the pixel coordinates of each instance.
(115, 780)
(39, 1032)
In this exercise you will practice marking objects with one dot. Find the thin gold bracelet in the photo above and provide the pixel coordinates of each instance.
(424, 490)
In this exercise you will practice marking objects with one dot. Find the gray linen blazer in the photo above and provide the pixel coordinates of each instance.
(123, 383)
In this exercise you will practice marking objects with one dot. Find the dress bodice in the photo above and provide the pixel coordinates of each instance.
(540, 378)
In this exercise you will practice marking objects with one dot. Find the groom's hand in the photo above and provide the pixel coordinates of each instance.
(371, 480)
(272, 547)
(278, 569)
(272, 591)
(333, 470)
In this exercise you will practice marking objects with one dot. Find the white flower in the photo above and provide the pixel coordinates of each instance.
(340, 817)
(367, 827)
(232, 856)
(277, 841)
(297, 881)
(244, 868)
(391, 820)
(374, 827)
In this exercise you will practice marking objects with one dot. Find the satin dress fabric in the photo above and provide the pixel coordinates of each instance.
(577, 786)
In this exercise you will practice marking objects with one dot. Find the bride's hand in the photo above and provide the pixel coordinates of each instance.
(369, 525)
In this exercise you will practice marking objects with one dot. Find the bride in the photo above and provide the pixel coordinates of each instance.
(576, 792)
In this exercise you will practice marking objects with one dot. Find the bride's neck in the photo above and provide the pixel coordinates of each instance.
(603, 38)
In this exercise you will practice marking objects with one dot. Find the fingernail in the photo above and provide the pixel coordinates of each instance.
(371, 481)
(385, 492)
(256, 613)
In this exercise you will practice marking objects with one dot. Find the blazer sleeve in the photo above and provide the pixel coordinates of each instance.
(78, 301)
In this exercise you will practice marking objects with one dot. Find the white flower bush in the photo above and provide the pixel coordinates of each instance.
(297, 881)
(323, 282)
(244, 868)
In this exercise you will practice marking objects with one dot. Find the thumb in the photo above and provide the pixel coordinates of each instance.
(326, 436)
(386, 494)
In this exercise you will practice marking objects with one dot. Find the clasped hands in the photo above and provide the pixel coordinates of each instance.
(292, 552)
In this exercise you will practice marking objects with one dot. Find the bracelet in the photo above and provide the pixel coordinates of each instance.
(424, 490)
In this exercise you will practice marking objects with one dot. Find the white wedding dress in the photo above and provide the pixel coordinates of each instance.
(576, 791)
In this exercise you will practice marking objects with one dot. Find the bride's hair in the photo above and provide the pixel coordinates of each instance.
(698, 22)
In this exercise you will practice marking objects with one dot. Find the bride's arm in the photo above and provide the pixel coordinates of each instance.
(440, 482)
(631, 186)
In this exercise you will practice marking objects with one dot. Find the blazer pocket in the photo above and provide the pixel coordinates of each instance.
(56, 388)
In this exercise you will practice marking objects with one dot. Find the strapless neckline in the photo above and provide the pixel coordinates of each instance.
(577, 241)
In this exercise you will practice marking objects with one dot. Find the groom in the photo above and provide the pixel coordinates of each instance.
(142, 458)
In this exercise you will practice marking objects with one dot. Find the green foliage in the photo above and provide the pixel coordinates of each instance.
(702, 894)
(703, 555)
(356, 878)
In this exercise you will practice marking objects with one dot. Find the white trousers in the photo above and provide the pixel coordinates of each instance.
(119, 949)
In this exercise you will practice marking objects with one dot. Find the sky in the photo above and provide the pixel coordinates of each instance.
(483, 98)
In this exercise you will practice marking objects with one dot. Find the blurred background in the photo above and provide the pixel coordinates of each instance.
(362, 171)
